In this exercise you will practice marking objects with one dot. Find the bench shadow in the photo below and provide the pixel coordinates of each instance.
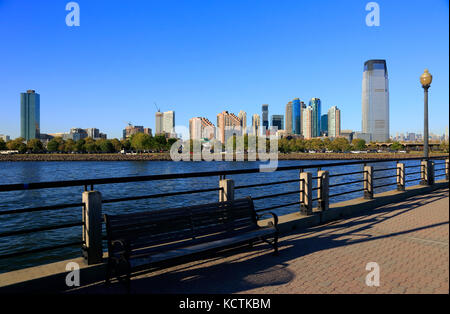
(245, 268)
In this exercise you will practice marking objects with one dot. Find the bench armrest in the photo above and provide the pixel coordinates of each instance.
(273, 223)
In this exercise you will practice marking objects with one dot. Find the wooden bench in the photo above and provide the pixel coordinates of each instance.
(155, 238)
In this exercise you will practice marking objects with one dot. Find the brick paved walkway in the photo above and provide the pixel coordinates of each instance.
(408, 240)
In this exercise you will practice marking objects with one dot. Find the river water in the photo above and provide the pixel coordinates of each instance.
(26, 172)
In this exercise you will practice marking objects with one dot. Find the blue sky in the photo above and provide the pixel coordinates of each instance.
(200, 57)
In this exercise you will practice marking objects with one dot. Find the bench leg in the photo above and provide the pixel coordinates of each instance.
(275, 245)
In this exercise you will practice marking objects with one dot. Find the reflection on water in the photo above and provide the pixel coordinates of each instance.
(26, 172)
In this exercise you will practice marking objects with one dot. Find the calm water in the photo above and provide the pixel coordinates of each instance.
(21, 172)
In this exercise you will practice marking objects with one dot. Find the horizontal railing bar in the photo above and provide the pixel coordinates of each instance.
(39, 229)
(375, 170)
(386, 177)
(413, 166)
(439, 169)
(317, 188)
(348, 192)
(417, 172)
(265, 184)
(41, 208)
(141, 197)
(275, 195)
(383, 185)
(440, 175)
(411, 180)
(69, 183)
(316, 178)
(345, 174)
(345, 183)
(278, 206)
(42, 249)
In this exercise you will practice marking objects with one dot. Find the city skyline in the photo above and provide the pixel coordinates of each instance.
(74, 79)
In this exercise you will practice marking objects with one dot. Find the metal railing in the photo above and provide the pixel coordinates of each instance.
(315, 185)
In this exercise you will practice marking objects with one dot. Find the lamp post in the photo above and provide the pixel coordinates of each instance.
(425, 80)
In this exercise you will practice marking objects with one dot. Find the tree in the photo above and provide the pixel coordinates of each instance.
(340, 144)
(2, 144)
(105, 146)
(140, 141)
(359, 144)
(126, 144)
(444, 147)
(396, 146)
(35, 146)
(90, 146)
(160, 142)
(70, 146)
(55, 144)
(117, 145)
(79, 145)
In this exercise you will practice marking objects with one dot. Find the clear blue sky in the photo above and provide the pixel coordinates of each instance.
(200, 57)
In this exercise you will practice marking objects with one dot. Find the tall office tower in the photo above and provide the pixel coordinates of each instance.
(243, 116)
(289, 118)
(334, 122)
(93, 132)
(324, 125)
(256, 124)
(375, 100)
(201, 129)
(159, 122)
(296, 116)
(169, 122)
(265, 118)
(277, 121)
(307, 122)
(30, 106)
(227, 125)
(316, 107)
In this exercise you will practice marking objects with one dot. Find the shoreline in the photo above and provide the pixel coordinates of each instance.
(166, 156)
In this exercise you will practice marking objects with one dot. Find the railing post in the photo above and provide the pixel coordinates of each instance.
(447, 162)
(92, 228)
(323, 190)
(427, 172)
(227, 190)
(306, 193)
(400, 177)
(368, 182)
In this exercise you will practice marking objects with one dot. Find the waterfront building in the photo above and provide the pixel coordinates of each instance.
(242, 115)
(169, 123)
(315, 104)
(277, 121)
(375, 100)
(289, 117)
(307, 122)
(265, 118)
(159, 122)
(133, 129)
(363, 136)
(324, 125)
(297, 116)
(201, 129)
(30, 104)
(228, 124)
(334, 122)
(348, 134)
(256, 124)
(5, 138)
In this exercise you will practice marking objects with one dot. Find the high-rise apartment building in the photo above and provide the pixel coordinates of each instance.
(324, 125)
(289, 118)
(277, 122)
(296, 116)
(315, 104)
(375, 100)
(265, 118)
(30, 106)
(159, 122)
(201, 129)
(334, 122)
(227, 125)
(169, 122)
(307, 122)
(243, 116)
(256, 124)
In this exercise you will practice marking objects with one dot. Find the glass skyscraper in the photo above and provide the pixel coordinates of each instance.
(30, 106)
(375, 100)
(265, 118)
(316, 115)
(334, 122)
(296, 117)
(278, 121)
(324, 124)
(289, 118)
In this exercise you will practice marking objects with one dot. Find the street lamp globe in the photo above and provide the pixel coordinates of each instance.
(426, 78)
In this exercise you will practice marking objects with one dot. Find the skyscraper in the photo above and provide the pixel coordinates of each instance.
(30, 106)
(375, 100)
(334, 122)
(296, 117)
(324, 125)
(315, 103)
(256, 124)
(289, 118)
(277, 121)
(169, 122)
(201, 128)
(228, 124)
(243, 116)
(159, 122)
(265, 118)
(307, 122)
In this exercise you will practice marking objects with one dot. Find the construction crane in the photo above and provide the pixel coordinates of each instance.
(157, 108)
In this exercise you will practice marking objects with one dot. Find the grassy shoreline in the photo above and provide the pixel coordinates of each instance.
(166, 156)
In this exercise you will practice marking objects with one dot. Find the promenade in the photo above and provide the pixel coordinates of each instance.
(409, 241)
